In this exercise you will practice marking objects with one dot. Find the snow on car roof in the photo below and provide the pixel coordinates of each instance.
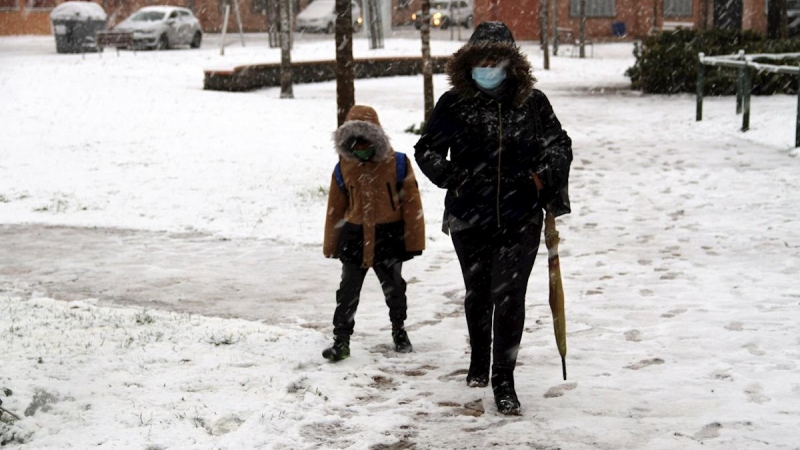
(80, 10)
(162, 8)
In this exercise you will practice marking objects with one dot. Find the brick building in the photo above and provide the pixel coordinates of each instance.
(33, 16)
(638, 16)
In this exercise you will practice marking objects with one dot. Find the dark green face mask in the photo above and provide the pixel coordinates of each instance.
(365, 155)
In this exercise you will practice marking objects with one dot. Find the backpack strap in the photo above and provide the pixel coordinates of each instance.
(402, 169)
(337, 173)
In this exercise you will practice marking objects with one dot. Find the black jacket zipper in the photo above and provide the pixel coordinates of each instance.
(499, 156)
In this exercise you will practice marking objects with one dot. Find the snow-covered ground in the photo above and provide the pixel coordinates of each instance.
(680, 265)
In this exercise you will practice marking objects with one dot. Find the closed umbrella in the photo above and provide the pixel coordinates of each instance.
(556, 289)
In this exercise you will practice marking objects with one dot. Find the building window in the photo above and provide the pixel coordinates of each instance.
(594, 8)
(260, 6)
(677, 8)
(9, 5)
(40, 4)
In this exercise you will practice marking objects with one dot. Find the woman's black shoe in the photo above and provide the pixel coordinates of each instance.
(478, 375)
(505, 397)
(478, 380)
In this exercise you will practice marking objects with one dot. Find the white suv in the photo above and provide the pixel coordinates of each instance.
(446, 13)
(321, 16)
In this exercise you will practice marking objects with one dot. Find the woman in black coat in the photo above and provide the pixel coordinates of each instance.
(508, 159)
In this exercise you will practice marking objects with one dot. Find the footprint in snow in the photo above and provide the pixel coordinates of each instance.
(672, 313)
(558, 391)
(645, 363)
(709, 431)
(633, 336)
(735, 326)
(454, 375)
(755, 395)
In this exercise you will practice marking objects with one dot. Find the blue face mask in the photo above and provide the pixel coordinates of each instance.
(488, 77)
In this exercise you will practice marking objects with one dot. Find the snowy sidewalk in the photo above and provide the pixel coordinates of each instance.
(189, 273)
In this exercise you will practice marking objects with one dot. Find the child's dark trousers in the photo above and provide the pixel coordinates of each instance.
(349, 293)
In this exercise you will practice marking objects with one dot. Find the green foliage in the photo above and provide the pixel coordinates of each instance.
(666, 63)
(143, 318)
(414, 130)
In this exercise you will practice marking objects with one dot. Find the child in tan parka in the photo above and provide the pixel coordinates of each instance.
(374, 220)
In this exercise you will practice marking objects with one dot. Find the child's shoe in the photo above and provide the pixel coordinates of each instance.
(401, 342)
(338, 351)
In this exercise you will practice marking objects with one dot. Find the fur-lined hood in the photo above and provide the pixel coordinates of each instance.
(362, 121)
(491, 39)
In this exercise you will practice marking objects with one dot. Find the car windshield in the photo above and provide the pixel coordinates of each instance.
(148, 16)
(793, 5)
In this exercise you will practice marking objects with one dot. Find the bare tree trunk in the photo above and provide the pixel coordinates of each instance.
(543, 16)
(274, 19)
(427, 68)
(703, 15)
(286, 53)
(784, 19)
(582, 29)
(555, 27)
(345, 74)
(655, 14)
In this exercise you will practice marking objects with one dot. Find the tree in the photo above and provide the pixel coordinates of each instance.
(286, 54)
(555, 27)
(582, 29)
(543, 16)
(784, 19)
(345, 73)
(427, 68)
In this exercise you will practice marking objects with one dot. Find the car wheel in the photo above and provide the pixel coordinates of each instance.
(196, 40)
(468, 22)
(445, 24)
(330, 28)
(163, 43)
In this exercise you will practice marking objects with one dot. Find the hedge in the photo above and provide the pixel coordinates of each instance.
(666, 63)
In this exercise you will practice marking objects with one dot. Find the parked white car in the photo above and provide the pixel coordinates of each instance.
(321, 16)
(163, 27)
(446, 13)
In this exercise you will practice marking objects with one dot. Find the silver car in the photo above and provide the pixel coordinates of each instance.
(446, 13)
(163, 27)
(321, 16)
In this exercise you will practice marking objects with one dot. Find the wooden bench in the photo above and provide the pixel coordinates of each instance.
(116, 39)
(567, 37)
(672, 26)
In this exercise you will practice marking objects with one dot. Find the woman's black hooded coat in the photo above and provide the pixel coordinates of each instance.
(496, 140)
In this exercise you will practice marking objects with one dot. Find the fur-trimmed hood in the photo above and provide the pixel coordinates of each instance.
(491, 39)
(362, 121)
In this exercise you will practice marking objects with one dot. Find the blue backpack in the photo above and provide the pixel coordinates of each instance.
(402, 169)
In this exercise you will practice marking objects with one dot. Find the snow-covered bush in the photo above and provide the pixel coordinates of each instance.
(666, 63)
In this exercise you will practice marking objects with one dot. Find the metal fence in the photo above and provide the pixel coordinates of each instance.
(746, 64)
